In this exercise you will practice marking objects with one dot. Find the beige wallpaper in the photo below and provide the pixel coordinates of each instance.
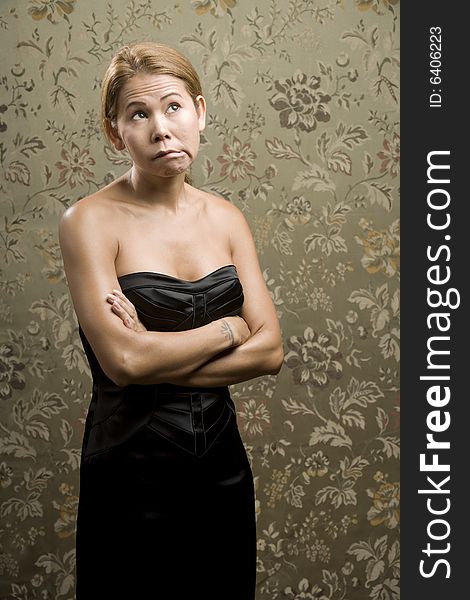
(303, 136)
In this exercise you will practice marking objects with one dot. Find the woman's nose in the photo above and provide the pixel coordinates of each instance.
(159, 128)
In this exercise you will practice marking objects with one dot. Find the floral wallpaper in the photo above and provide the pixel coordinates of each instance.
(303, 136)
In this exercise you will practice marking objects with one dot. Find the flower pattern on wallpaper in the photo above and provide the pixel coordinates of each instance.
(303, 136)
(300, 102)
(50, 9)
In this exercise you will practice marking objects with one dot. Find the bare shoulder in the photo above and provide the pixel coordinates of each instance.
(223, 212)
(91, 221)
(88, 232)
(218, 204)
(93, 208)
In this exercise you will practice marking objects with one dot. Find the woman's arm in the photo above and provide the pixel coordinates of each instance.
(262, 353)
(232, 366)
(89, 249)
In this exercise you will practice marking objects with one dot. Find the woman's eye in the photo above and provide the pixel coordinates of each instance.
(139, 113)
(174, 104)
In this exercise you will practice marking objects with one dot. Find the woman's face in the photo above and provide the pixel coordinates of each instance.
(155, 113)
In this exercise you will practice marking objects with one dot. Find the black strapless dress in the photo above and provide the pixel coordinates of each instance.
(166, 508)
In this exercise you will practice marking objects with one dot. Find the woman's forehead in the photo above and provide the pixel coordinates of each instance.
(150, 85)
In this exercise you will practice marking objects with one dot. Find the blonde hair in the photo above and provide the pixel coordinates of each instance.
(145, 57)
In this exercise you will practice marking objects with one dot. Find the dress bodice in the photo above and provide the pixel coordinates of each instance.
(163, 303)
(166, 303)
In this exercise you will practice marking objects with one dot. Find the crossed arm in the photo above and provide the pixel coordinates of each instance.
(236, 364)
(129, 354)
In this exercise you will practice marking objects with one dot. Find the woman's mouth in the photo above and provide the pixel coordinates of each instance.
(170, 154)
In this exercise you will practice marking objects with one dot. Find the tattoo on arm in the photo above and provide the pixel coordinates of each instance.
(227, 331)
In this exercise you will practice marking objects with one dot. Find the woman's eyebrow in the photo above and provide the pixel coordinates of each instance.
(141, 102)
(171, 94)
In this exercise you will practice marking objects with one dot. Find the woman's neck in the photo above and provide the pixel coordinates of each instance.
(168, 192)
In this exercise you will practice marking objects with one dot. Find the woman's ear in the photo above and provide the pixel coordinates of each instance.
(113, 134)
(200, 103)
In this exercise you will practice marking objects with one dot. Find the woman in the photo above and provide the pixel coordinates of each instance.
(172, 308)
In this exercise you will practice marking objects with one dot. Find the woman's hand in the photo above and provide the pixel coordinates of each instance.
(125, 310)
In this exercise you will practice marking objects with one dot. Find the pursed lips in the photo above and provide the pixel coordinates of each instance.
(168, 153)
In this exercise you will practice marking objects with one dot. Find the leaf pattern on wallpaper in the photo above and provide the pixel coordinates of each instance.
(303, 136)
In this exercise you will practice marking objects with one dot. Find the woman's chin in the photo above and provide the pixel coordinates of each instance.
(172, 169)
(180, 166)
